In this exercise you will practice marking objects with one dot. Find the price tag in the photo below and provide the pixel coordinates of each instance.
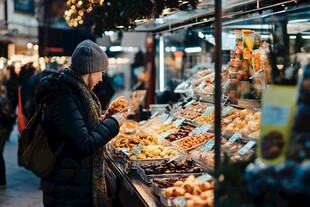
(204, 128)
(208, 111)
(169, 120)
(178, 122)
(235, 136)
(165, 134)
(246, 147)
(154, 115)
(164, 116)
(190, 103)
(226, 84)
(180, 201)
(209, 145)
(137, 149)
(142, 122)
(195, 131)
(127, 166)
(226, 110)
(204, 178)
(225, 98)
(201, 85)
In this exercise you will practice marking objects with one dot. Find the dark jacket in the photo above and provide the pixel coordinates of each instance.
(70, 183)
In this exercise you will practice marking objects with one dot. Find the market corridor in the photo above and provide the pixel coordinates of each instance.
(22, 188)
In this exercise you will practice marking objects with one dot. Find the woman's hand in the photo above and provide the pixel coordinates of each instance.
(120, 117)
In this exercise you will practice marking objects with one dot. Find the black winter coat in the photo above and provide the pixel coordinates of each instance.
(70, 183)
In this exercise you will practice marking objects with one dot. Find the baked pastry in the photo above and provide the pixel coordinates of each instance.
(116, 106)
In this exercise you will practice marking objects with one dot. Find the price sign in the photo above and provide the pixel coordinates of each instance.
(180, 201)
(226, 110)
(201, 85)
(169, 120)
(137, 149)
(204, 128)
(204, 178)
(164, 116)
(127, 166)
(195, 131)
(226, 84)
(142, 122)
(178, 122)
(209, 145)
(246, 147)
(190, 103)
(208, 111)
(235, 136)
(154, 115)
(165, 134)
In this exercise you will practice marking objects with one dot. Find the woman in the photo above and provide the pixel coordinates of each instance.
(73, 117)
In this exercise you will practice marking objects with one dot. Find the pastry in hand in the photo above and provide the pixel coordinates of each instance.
(116, 106)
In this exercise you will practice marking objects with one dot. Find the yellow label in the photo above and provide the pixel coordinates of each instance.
(276, 124)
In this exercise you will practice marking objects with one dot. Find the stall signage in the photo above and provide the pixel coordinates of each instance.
(178, 122)
(25, 6)
(204, 178)
(165, 134)
(137, 149)
(154, 115)
(235, 136)
(208, 111)
(190, 103)
(246, 147)
(204, 128)
(226, 110)
(164, 116)
(201, 85)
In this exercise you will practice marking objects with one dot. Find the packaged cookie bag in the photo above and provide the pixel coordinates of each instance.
(276, 123)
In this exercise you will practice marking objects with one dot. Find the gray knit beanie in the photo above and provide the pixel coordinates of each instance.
(88, 57)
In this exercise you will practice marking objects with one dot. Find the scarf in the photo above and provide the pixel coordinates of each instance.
(91, 109)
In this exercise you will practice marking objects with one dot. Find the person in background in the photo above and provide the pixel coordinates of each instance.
(7, 119)
(12, 84)
(27, 89)
(73, 116)
(105, 91)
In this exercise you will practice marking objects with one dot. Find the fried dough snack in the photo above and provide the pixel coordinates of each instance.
(116, 106)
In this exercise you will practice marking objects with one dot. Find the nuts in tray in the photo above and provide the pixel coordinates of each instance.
(164, 167)
(129, 127)
(168, 182)
(154, 152)
(193, 111)
(246, 122)
(195, 193)
(130, 141)
(183, 131)
(194, 140)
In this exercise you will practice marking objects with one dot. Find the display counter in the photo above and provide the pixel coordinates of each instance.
(128, 189)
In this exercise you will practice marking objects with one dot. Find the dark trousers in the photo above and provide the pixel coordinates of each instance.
(3, 137)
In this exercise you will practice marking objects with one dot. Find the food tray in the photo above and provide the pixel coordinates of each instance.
(166, 201)
(188, 150)
(134, 163)
(148, 178)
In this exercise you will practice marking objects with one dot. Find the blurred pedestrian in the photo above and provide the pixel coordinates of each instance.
(105, 91)
(73, 117)
(12, 84)
(7, 119)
